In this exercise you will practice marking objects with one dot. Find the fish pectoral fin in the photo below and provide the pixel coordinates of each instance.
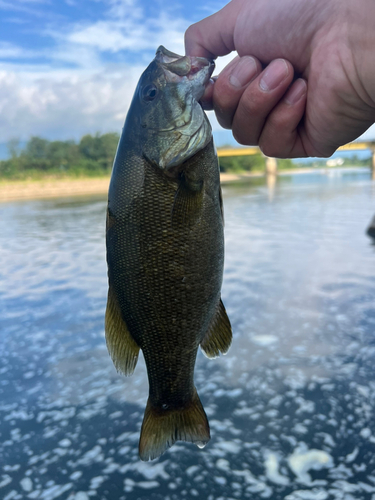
(121, 346)
(162, 428)
(187, 203)
(219, 334)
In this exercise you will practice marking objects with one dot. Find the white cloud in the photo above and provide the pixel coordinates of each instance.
(65, 107)
(78, 91)
(25, 7)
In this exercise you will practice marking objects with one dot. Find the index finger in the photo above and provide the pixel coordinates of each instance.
(213, 36)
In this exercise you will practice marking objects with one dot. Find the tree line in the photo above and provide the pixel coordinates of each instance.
(92, 156)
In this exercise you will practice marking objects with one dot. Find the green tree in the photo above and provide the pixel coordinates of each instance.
(14, 148)
(99, 148)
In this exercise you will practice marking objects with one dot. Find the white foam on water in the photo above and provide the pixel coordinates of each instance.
(220, 480)
(223, 464)
(190, 471)
(11, 468)
(111, 467)
(350, 457)
(148, 470)
(228, 446)
(302, 460)
(56, 415)
(365, 433)
(313, 494)
(95, 482)
(129, 485)
(148, 485)
(76, 475)
(300, 429)
(92, 456)
(26, 484)
(81, 495)
(304, 405)
(116, 414)
(5, 480)
(264, 340)
(19, 415)
(55, 491)
(271, 465)
(124, 450)
(12, 494)
(65, 443)
(34, 494)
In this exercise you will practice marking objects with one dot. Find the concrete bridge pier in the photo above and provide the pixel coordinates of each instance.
(373, 163)
(271, 166)
(271, 175)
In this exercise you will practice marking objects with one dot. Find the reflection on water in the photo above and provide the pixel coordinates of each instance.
(291, 406)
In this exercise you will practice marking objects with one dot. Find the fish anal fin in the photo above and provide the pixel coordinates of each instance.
(162, 428)
(121, 345)
(219, 334)
(187, 204)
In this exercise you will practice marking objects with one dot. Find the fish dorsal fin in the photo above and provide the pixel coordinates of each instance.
(121, 345)
(219, 334)
(187, 202)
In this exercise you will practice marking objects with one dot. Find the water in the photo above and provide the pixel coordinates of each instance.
(291, 407)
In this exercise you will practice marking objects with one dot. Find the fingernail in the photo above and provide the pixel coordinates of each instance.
(243, 72)
(276, 72)
(295, 93)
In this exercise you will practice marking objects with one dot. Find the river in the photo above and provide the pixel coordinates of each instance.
(291, 406)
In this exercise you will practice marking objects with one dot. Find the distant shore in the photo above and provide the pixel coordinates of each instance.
(56, 188)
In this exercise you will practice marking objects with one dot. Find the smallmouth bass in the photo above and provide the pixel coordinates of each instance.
(165, 248)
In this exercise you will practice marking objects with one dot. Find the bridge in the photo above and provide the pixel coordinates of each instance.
(271, 163)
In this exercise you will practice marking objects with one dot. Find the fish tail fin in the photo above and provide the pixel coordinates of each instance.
(162, 428)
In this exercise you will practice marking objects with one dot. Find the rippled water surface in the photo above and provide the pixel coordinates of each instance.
(291, 407)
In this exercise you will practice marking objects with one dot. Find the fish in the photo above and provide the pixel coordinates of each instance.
(165, 248)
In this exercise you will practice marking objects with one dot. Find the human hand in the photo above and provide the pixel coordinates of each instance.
(328, 43)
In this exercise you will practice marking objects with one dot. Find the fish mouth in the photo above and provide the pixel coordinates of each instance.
(178, 67)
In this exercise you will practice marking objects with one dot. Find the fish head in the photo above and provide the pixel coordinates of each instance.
(172, 124)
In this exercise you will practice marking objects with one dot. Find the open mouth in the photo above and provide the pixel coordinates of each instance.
(185, 65)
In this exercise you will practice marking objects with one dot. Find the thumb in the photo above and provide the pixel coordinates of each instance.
(213, 36)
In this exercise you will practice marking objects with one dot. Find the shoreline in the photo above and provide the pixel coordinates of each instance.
(58, 188)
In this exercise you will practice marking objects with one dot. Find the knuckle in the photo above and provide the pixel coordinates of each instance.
(191, 32)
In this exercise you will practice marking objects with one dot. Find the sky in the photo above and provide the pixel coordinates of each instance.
(70, 67)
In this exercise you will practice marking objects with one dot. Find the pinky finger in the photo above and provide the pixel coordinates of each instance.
(280, 134)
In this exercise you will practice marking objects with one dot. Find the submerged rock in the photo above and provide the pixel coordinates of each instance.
(371, 229)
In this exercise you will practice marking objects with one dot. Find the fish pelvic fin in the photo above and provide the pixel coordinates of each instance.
(162, 428)
(219, 334)
(121, 346)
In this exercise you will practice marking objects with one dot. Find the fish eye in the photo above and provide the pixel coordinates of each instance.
(149, 92)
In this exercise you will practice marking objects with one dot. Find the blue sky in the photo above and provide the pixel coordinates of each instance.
(69, 67)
